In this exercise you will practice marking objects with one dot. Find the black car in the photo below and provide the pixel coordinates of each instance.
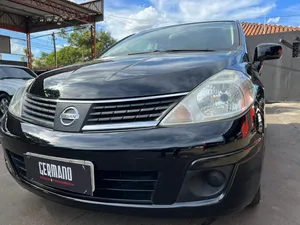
(11, 79)
(170, 119)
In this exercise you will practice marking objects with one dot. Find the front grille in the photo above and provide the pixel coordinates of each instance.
(39, 111)
(116, 186)
(123, 186)
(138, 110)
(110, 114)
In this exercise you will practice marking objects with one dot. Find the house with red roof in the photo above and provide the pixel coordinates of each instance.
(281, 78)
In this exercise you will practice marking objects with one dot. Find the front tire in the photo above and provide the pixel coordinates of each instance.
(256, 199)
(4, 103)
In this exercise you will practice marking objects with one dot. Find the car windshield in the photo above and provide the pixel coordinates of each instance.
(211, 36)
(15, 73)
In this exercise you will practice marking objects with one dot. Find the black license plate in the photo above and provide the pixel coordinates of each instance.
(66, 174)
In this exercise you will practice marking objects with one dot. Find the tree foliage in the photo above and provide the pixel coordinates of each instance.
(24, 57)
(77, 50)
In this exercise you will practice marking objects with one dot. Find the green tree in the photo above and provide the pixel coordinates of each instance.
(81, 39)
(24, 57)
(42, 62)
(78, 50)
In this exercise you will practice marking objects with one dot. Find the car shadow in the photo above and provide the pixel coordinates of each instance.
(278, 109)
(79, 216)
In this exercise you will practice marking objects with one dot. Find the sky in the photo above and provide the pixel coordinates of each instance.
(124, 17)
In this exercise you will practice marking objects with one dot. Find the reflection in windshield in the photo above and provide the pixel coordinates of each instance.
(211, 36)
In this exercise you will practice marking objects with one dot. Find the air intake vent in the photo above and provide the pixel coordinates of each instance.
(137, 110)
(122, 186)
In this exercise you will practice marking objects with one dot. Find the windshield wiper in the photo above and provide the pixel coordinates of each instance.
(137, 53)
(189, 50)
(174, 50)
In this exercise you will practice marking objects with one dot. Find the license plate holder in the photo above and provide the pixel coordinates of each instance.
(66, 174)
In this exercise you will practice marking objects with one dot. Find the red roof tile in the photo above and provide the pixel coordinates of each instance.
(251, 29)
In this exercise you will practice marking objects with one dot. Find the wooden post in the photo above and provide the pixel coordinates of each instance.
(92, 48)
(93, 41)
(54, 47)
(29, 55)
(95, 38)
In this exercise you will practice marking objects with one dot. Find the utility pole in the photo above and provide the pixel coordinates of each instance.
(54, 47)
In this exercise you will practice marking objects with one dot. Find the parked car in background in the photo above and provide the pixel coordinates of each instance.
(11, 79)
(170, 119)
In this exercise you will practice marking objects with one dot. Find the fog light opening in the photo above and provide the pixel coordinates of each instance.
(215, 178)
(204, 184)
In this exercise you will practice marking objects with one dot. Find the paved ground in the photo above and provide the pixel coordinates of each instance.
(281, 188)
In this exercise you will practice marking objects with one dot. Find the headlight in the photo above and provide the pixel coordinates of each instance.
(15, 106)
(226, 94)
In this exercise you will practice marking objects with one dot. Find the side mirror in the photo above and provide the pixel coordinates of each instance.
(267, 51)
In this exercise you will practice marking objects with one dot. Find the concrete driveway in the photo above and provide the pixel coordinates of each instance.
(280, 188)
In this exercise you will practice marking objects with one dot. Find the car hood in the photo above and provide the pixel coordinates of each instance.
(132, 76)
(10, 86)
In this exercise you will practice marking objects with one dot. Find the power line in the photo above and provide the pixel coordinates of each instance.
(80, 28)
(46, 43)
(125, 23)
(35, 44)
(42, 47)
(274, 16)
(15, 38)
(17, 54)
(119, 21)
(295, 15)
(39, 45)
(128, 18)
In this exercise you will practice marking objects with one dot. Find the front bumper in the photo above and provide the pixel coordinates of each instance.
(173, 153)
